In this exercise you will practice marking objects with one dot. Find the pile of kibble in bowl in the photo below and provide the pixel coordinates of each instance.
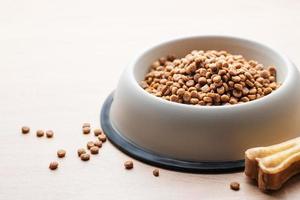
(209, 78)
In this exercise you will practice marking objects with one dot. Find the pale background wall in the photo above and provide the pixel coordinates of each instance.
(59, 59)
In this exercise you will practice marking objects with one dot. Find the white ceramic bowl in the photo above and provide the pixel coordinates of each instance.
(206, 133)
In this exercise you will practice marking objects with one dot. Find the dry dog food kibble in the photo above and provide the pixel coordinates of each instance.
(49, 133)
(235, 186)
(25, 129)
(53, 165)
(81, 151)
(102, 137)
(61, 153)
(86, 125)
(90, 144)
(98, 143)
(209, 78)
(86, 130)
(128, 164)
(85, 157)
(94, 150)
(156, 172)
(39, 133)
(97, 132)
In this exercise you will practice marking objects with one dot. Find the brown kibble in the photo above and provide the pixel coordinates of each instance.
(235, 186)
(90, 144)
(61, 153)
(81, 151)
(94, 150)
(86, 130)
(97, 131)
(128, 164)
(156, 172)
(49, 133)
(85, 157)
(225, 98)
(102, 137)
(53, 165)
(194, 78)
(98, 143)
(40, 133)
(25, 129)
(86, 125)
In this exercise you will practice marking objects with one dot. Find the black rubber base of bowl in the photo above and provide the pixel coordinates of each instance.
(151, 158)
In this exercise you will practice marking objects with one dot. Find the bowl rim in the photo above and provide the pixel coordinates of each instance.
(287, 63)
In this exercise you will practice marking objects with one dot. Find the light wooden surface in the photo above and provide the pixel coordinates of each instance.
(59, 59)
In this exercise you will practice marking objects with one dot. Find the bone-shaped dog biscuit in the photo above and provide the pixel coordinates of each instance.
(273, 165)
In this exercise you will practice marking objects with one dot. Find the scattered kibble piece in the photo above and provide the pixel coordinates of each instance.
(49, 133)
(86, 125)
(156, 172)
(25, 129)
(90, 144)
(209, 78)
(86, 130)
(85, 156)
(81, 151)
(61, 153)
(102, 137)
(53, 165)
(94, 150)
(40, 133)
(128, 164)
(97, 131)
(98, 143)
(235, 186)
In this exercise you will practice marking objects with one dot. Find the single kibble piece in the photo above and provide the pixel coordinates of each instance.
(94, 150)
(81, 151)
(235, 186)
(53, 165)
(156, 172)
(61, 153)
(86, 130)
(128, 164)
(90, 144)
(97, 131)
(102, 137)
(98, 143)
(49, 133)
(25, 129)
(85, 157)
(40, 133)
(86, 125)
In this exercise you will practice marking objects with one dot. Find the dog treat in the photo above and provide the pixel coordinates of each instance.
(94, 150)
(102, 137)
(49, 133)
(85, 157)
(61, 153)
(98, 143)
(53, 165)
(40, 133)
(90, 144)
(235, 186)
(156, 172)
(81, 151)
(128, 164)
(209, 78)
(86, 125)
(97, 131)
(273, 165)
(25, 129)
(86, 130)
